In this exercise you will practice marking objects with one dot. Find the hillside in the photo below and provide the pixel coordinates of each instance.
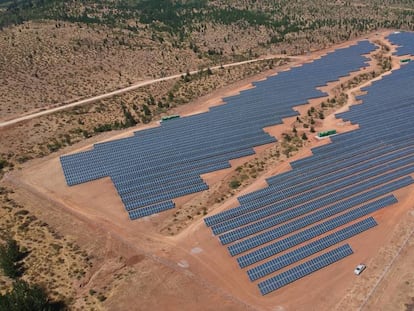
(62, 51)
(55, 52)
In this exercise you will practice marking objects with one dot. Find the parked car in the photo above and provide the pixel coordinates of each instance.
(358, 270)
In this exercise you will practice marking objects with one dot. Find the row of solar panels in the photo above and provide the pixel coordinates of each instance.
(310, 249)
(143, 167)
(370, 143)
(150, 210)
(305, 175)
(164, 164)
(405, 41)
(317, 209)
(343, 181)
(275, 202)
(304, 269)
(272, 209)
(311, 232)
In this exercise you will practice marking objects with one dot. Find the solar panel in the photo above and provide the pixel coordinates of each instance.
(304, 269)
(405, 41)
(149, 210)
(307, 250)
(302, 236)
(300, 194)
(335, 191)
(342, 181)
(300, 222)
(165, 162)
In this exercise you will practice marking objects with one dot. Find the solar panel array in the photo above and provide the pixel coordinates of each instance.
(308, 234)
(310, 249)
(341, 182)
(304, 269)
(162, 163)
(405, 41)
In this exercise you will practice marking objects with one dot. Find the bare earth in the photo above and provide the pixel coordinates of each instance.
(191, 270)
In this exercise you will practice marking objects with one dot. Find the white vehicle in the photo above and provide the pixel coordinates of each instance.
(358, 270)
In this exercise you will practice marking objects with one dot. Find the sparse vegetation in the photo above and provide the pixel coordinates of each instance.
(59, 51)
(304, 136)
(52, 133)
(3, 164)
(34, 253)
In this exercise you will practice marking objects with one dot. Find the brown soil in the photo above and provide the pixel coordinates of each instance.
(136, 267)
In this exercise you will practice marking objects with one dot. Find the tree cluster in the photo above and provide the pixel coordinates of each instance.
(23, 296)
(10, 255)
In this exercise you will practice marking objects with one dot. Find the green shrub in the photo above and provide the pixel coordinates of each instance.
(3, 163)
(101, 297)
(8, 259)
(234, 184)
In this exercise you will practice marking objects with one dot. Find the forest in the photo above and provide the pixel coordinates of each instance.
(181, 16)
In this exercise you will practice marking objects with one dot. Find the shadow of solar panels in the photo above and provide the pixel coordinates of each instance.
(304, 269)
(404, 41)
(162, 163)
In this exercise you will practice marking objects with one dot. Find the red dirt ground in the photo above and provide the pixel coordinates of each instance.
(192, 271)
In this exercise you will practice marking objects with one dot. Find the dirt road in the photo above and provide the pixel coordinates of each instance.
(130, 88)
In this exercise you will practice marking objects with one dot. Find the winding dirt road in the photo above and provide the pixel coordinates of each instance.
(130, 88)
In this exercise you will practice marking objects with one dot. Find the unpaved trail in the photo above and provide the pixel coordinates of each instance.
(131, 88)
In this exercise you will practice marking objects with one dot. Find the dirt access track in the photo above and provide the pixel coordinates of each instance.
(191, 270)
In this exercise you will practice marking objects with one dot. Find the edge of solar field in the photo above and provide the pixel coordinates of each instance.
(324, 259)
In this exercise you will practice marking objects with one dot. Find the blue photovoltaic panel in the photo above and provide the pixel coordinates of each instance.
(303, 236)
(314, 169)
(282, 200)
(304, 269)
(162, 163)
(343, 180)
(149, 210)
(336, 191)
(301, 222)
(310, 249)
(405, 41)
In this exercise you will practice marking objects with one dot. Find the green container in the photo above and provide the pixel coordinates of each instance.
(166, 118)
(326, 133)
